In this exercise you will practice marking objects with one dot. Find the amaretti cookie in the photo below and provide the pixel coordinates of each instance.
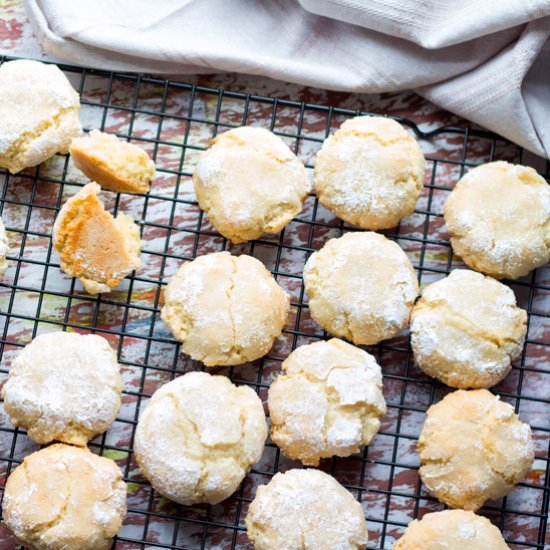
(305, 509)
(370, 172)
(64, 386)
(95, 247)
(249, 183)
(473, 448)
(198, 437)
(115, 164)
(498, 217)
(361, 287)
(451, 530)
(224, 309)
(39, 111)
(467, 329)
(326, 402)
(65, 497)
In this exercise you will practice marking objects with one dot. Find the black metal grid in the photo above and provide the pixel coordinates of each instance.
(35, 297)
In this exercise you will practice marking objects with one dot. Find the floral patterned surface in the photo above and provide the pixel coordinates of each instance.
(174, 123)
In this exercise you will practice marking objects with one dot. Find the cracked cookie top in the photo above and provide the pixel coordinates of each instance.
(361, 287)
(250, 183)
(451, 530)
(370, 172)
(65, 497)
(305, 509)
(498, 217)
(327, 401)
(39, 112)
(473, 448)
(466, 329)
(64, 386)
(224, 309)
(198, 437)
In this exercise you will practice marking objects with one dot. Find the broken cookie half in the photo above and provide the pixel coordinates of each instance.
(93, 245)
(114, 164)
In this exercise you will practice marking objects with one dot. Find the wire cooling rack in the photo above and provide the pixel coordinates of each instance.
(174, 122)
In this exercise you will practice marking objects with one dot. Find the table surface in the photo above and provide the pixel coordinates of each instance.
(16, 39)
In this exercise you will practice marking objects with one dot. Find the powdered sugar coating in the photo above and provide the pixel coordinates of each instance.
(327, 401)
(249, 183)
(64, 386)
(467, 329)
(39, 112)
(473, 448)
(498, 217)
(361, 287)
(199, 436)
(370, 172)
(451, 530)
(65, 497)
(305, 510)
(225, 309)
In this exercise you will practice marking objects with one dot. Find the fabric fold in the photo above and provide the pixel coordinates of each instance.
(483, 60)
(429, 23)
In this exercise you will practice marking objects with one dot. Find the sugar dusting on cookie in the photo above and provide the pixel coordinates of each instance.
(370, 172)
(305, 509)
(199, 436)
(361, 287)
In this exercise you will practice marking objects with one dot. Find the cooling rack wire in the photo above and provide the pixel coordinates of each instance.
(174, 122)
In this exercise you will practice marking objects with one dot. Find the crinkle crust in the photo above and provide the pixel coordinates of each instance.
(473, 448)
(64, 386)
(466, 330)
(498, 217)
(370, 172)
(65, 497)
(326, 402)
(361, 287)
(224, 309)
(451, 530)
(39, 110)
(305, 510)
(250, 183)
(198, 437)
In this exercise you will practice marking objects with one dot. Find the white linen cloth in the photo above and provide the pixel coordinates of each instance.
(487, 60)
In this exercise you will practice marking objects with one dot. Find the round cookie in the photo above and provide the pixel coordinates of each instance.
(327, 402)
(39, 112)
(498, 217)
(198, 437)
(306, 510)
(64, 386)
(467, 329)
(250, 183)
(473, 448)
(4, 249)
(370, 172)
(65, 497)
(361, 287)
(224, 309)
(451, 530)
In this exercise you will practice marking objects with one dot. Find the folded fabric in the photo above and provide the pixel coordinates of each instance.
(487, 60)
